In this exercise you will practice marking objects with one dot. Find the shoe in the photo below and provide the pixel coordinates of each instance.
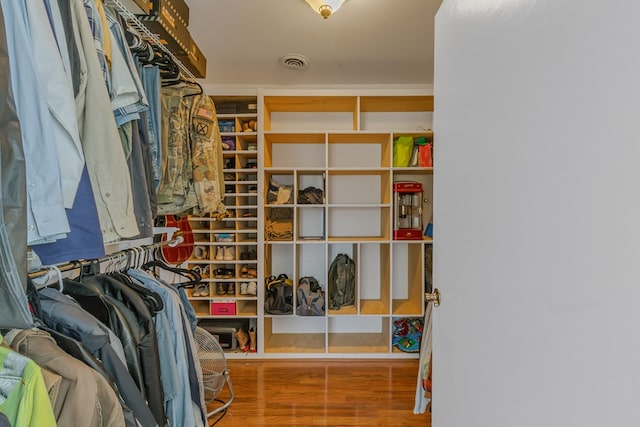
(231, 289)
(225, 237)
(201, 290)
(228, 143)
(243, 340)
(220, 253)
(252, 288)
(252, 341)
(252, 272)
(243, 288)
(244, 271)
(202, 270)
(200, 252)
(221, 288)
(229, 253)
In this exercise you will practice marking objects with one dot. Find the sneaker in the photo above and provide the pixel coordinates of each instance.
(229, 253)
(243, 288)
(252, 288)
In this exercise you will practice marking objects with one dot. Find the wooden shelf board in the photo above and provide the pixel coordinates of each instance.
(295, 343)
(374, 307)
(381, 104)
(310, 103)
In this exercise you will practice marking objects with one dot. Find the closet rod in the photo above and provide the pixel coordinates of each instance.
(147, 35)
(68, 266)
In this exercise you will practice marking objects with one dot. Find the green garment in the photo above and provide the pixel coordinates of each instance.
(23, 395)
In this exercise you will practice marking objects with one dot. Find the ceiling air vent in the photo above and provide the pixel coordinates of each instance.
(294, 61)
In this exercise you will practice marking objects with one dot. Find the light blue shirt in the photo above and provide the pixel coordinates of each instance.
(58, 94)
(171, 350)
(46, 217)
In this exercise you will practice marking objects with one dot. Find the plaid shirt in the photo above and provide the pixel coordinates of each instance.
(95, 22)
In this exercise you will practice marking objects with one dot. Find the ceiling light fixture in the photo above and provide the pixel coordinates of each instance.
(325, 7)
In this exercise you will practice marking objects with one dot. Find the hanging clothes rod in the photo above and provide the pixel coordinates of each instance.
(123, 256)
(148, 36)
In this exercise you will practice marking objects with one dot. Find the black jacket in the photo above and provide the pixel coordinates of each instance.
(140, 318)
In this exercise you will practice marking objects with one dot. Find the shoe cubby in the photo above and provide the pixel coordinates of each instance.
(229, 239)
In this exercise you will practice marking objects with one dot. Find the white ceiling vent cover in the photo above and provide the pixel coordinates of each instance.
(294, 61)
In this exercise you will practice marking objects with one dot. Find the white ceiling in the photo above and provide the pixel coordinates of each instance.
(366, 42)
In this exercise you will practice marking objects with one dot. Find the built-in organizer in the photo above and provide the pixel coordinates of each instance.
(325, 175)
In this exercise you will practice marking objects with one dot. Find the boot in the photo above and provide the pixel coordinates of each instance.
(252, 340)
(243, 340)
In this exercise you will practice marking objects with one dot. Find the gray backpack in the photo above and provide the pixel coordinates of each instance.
(309, 297)
(342, 282)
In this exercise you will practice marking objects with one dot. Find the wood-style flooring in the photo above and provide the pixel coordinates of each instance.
(312, 392)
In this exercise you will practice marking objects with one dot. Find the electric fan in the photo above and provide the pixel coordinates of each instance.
(214, 368)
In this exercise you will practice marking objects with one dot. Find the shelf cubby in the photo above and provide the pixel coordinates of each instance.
(407, 278)
(295, 334)
(358, 334)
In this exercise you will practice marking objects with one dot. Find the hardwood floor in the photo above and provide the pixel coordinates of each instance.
(278, 393)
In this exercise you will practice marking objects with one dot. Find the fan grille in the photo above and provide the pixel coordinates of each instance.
(212, 363)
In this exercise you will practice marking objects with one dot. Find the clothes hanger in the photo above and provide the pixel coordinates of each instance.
(194, 278)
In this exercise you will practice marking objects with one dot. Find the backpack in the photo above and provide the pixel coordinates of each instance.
(279, 296)
(310, 297)
(342, 282)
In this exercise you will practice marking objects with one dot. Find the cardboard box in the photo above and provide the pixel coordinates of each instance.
(137, 7)
(176, 7)
(194, 60)
(223, 307)
(171, 30)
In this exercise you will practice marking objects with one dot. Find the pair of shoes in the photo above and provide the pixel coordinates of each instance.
(223, 273)
(243, 340)
(248, 288)
(247, 271)
(226, 288)
(225, 253)
(201, 290)
(249, 255)
(225, 237)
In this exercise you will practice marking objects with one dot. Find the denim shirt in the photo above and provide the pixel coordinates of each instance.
(171, 350)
